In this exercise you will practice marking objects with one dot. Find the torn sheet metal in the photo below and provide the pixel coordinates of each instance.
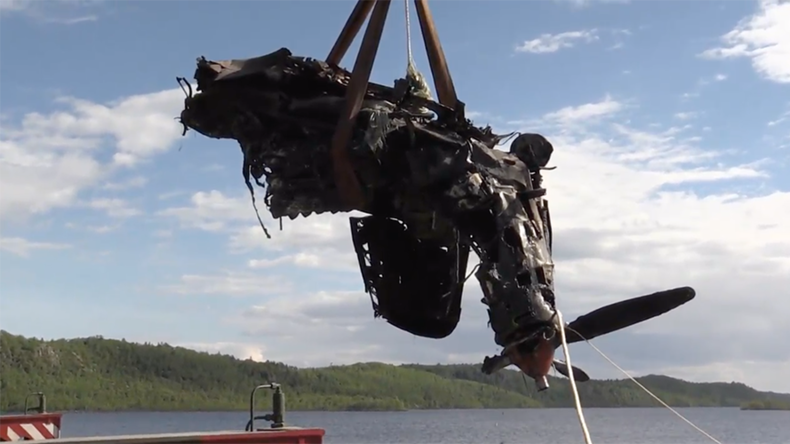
(415, 284)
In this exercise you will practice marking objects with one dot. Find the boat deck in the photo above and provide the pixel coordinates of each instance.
(46, 426)
(285, 435)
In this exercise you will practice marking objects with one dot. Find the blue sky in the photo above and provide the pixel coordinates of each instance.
(670, 120)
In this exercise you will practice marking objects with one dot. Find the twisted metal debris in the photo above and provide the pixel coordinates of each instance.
(434, 188)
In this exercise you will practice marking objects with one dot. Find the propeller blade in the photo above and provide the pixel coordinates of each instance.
(626, 313)
(578, 374)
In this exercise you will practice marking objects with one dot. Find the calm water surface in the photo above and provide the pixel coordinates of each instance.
(550, 426)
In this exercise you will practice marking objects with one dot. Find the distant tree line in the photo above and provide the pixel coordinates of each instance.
(103, 374)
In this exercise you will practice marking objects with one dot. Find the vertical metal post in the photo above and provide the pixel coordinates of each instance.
(278, 408)
(251, 423)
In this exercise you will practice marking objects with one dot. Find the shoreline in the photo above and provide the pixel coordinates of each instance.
(246, 412)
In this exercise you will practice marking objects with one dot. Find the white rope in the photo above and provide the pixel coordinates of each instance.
(419, 86)
(409, 58)
(660, 401)
(577, 402)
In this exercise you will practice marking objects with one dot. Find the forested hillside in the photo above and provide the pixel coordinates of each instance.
(104, 374)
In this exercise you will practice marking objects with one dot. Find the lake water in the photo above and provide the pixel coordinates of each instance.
(549, 426)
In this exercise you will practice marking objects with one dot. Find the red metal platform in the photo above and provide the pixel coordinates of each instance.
(273, 436)
(29, 427)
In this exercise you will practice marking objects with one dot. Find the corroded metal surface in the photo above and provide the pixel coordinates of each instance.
(435, 187)
(439, 177)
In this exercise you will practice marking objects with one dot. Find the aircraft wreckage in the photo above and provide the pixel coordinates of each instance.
(433, 186)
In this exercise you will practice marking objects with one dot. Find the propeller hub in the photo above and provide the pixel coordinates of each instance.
(535, 363)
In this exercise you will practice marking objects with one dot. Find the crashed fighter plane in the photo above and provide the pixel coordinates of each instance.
(432, 183)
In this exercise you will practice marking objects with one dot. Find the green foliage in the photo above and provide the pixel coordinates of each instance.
(103, 374)
(766, 404)
(614, 393)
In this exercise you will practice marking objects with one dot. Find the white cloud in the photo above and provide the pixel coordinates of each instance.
(117, 208)
(764, 38)
(35, 182)
(229, 283)
(582, 3)
(23, 247)
(63, 12)
(47, 160)
(255, 352)
(322, 239)
(307, 329)
(585, 113)
(688, 115)
(326, 259)
(725, 371)
(141, 125)
(163, 233)
(211, 211)
(784, 117)
(318, 231)
(548, 43)
(171, 194)
(574, 117)
(134, 182)
(616, 46)
(101, 229)
(13, 5)
(702, 83)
